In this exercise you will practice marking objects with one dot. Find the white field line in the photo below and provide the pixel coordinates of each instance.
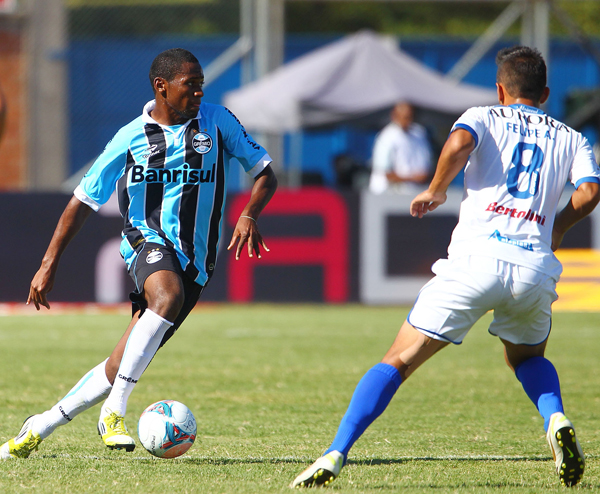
(306, 459)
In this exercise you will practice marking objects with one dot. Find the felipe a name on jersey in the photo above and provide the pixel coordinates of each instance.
(183, 174)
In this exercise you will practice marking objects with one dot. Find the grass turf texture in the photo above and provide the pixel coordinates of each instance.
(268, 386)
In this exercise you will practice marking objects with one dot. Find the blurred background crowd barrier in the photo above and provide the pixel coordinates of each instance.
(72, 72)
(326, 246)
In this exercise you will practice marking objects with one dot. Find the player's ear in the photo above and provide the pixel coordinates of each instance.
(160, 86)
(545, 94)
(501, 95)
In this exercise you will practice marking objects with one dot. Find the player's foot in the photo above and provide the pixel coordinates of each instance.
(567, 453)
(23, 445)
(113, 430)
(322, 472)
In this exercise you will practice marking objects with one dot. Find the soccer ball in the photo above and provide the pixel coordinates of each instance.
(167, 429)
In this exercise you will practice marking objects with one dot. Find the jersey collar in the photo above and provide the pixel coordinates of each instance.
(146, 118)
(527, 108)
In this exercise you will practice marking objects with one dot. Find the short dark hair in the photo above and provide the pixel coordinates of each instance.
(168, 64)
(522, 71)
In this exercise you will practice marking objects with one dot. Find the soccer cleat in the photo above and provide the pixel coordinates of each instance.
(567, 453)
(322, 472)
(23, 445)
(113, 431)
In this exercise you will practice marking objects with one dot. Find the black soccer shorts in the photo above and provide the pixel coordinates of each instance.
(150, 259)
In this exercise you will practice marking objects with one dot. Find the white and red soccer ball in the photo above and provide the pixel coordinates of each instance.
(167, 429)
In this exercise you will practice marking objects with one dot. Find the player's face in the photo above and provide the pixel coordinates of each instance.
(184, 93)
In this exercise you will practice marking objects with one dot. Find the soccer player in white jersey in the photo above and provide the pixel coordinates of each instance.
(518, 161)
(169, 168)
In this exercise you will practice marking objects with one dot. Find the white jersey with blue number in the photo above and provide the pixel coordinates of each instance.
(171, 183)
(514, 178)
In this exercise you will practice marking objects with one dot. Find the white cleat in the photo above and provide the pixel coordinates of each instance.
(567, 453)
(322, 472)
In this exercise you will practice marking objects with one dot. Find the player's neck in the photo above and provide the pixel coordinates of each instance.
(509, 100)
(165, 117)
(165, 114)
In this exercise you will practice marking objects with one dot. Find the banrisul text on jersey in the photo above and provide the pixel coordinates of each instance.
(183, 174)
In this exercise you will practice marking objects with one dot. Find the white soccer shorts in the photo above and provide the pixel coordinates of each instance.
(464, 289)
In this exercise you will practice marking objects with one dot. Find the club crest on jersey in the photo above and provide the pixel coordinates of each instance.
(202, 143)
(153, 256)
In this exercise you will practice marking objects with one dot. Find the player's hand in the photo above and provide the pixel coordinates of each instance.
(42, 283)
(425, 202)
(246, 232)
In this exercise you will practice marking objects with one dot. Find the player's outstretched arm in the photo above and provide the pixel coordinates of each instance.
(69, 224)
(582, 202)
(246, 229)
(453, 158)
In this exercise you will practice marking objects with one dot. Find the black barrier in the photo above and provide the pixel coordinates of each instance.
(91, 269)
(28, 222)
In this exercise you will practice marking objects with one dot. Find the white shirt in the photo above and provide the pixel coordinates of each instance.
(513, 181)
(405, 153)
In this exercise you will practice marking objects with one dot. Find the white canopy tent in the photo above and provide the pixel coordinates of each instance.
(349, 79)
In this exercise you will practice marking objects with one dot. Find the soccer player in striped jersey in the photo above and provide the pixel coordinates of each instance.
(169, 168)
(518, 161)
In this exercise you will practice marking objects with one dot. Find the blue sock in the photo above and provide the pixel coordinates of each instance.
(371, 397)
(540, 381)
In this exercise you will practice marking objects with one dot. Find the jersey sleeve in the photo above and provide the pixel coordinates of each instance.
(238, 143)
(100, 181)
(585, 168)
(472, 121)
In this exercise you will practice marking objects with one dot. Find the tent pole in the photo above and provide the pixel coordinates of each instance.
(486, 41)
(534, 27)
(268, 55)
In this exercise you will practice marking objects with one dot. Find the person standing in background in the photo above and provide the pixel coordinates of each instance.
(401, 153)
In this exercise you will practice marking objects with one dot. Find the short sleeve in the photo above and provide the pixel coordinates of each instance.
(100, 181)
(585, 168)
(473, 122)
(239, 144)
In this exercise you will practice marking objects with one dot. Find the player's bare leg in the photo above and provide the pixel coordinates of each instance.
(410, 349)
(113, 362)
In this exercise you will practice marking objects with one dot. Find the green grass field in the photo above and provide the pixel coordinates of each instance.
(268, 386)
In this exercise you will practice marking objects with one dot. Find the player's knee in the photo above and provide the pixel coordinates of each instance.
(167, 303)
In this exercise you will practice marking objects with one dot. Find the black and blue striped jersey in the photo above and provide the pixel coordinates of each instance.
(171, 183)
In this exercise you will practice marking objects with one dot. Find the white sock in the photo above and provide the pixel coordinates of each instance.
(142, 345)
(90, 390)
